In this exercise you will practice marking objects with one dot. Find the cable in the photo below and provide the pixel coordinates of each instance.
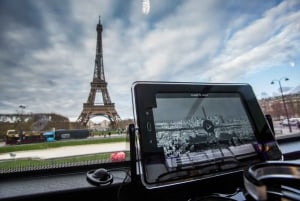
(121, 185)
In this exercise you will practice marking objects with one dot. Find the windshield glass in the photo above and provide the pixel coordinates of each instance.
(67, 68)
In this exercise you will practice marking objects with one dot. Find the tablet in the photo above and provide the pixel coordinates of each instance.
(192, 131)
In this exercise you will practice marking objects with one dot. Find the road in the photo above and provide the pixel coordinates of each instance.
(284, 130)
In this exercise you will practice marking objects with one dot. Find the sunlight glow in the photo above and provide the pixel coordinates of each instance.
(292, 64)
(146, 6)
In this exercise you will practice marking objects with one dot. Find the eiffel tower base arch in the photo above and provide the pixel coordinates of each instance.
(90, 111)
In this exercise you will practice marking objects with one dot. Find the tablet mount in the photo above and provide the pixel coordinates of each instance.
(99, 177)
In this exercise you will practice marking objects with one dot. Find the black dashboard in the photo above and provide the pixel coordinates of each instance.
(69, 184)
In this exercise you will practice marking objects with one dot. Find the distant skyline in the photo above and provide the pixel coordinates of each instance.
(47, 48)
(173, 110)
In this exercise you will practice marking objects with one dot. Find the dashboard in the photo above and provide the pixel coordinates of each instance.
(69, 184)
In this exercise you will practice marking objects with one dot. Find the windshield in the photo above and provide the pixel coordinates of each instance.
(67, 68)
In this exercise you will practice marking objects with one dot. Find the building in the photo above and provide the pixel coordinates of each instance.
(275, 106)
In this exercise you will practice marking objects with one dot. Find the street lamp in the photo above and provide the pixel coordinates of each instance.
(22, 108)
(283, 101)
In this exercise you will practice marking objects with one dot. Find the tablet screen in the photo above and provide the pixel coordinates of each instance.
(197, 128)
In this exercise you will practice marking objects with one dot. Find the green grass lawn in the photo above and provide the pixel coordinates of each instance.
(13, 165)
(61, 143)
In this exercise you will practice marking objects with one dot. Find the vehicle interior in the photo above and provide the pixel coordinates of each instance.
(190, 117)
(187, 159)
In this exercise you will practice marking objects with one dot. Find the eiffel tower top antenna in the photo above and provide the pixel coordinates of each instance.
(99, 67)
(90, 109)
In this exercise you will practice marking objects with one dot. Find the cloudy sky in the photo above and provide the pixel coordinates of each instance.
(47, 48)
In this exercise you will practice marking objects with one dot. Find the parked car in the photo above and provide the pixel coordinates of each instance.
(292, 121)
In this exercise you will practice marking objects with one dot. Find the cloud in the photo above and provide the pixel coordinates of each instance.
(39, 56)
(264, 43)
(49, 50)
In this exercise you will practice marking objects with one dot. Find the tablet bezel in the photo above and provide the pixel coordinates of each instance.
(144, 95)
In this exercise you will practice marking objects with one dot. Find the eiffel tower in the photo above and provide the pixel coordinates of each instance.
(90, 108)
